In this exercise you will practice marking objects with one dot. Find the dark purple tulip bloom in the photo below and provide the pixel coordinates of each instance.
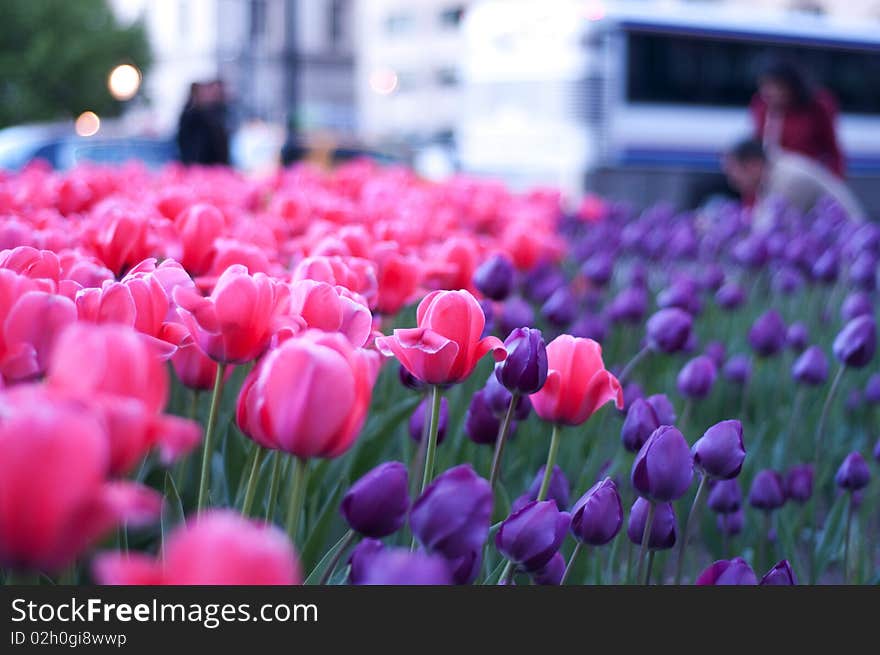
(811, 367)
(827, 267)
(787, 281)
(359, 560)
(854, 473)
(725, 497)
(597, 516)
(872, 389)
(540, 283)
(531, 536)
(780, 575)
(855, 344)
(494, 277)
(720, 452)
(662, 529)
(696, 378)
(632, 391)
(877, 450)
(663, 468)
(629, 306)
(452, 515)
(552, 572)
(399, 566)
(488, 308)
(420, 420)
(559, 490)
(598, 268)
(639, 424)
(465, 568)
(767, 334)
(799, 483)
(751, 251)
(515, 312)
(669, 329)
(560, 308)
(768, 491)
(797, 337)
(663, 409)
(481, 424)
(856, 304)
(525, 369)
(682, 295)
(738, 369)
(734, 571)
(499, 399)
(731, 524)
(730, 296)
(863, 272)
(717, 352)
(376, 504)
(409, 380)
(711, 277)
(589, 326)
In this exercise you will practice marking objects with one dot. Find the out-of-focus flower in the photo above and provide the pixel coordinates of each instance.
(799, 483)
(811, 367)
(738, 369)
(853, 473)
(781, 575)
(669, 329)
(421, 418)
(725, 496)
(481, 424)
(696, 378)
(399, 566)
(797, 337)
(768, 491)
(731, 523)
(728, 572)
(639, 424)
(663, 529)
(376, 505)
(559, 490)
(767, 334)
(552, 572)
(855, 344)
(494, 277)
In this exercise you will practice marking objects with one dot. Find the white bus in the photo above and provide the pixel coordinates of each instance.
(638, 100)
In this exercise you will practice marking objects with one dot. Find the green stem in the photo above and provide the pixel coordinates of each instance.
(551, 461)
(251, 489)
(650, 567)
(501, 440)
(208, 448)
(849, 516)
(685, 530)
(507, 574)
(341, 546)
(765, 541)
(297, 496)
(431, 452)
(628, 369)
(273, 486)
(646, 537)
(571, 561)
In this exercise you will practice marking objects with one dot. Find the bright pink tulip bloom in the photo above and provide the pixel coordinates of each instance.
(199, 226)
(218, 548)
(577, 382)
(194, 368)
(28, 332)
(446, 345)
(332, 309)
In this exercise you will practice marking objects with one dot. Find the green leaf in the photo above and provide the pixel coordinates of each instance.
(832, 537)
(320, 527)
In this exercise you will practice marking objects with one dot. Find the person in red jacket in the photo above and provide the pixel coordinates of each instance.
(788, 114)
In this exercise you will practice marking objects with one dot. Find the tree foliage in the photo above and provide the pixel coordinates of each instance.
(55, 56)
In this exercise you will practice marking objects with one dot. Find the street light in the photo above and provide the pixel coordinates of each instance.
(124, 81)
(87, 124)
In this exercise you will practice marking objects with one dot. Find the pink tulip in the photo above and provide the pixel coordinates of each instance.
(194, 368)
(29, 330)
(199, 226)
(332, 309)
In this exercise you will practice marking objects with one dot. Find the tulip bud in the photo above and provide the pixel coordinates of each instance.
(669, 329)
(524, 371)
(376, 505)
(863, 271)
(872, 389)
(877, 450)
(494, 277)
(481, 424)
(725, 497)
(421, 420)
(663, 409)
(409, 380)
(719, 453)
(797, 337)
(827, 267)
(552, 572)
(728, 572)
(768, 491)
(559, 490)
(599, 268)
(399, 566)
(531, 536)
(738, 369)
(731, 524)
(663, 468)
(856, 304)
(639, 424)
(662, 529)
(589, 326)
(780, 575)
(632, 391)
(359, 559)
(716, 351)
(730, 296)
(799, 483)
(498, 398)
(767, 334)
(598, 514)
(855, 344)
(628, 306)
(811, 367)
(854, 473)
(696, 378)
(560, 308)
(515, 312)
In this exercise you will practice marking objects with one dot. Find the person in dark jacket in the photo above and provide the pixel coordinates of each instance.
(202, 133)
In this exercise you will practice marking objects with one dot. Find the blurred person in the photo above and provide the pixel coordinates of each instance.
(203, 134)
(789, 114)
(760, 176)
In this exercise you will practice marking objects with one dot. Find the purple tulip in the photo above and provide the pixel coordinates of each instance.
(751, 251)
(731, 524)
(767, 334)
(738, 369)
(639, 424)
(711, 277)
(494, 277)
(488, 308)
(683, 295)
(717, 352)
(540, 283)
(719, 453)
(409, 380)
(452, 515)
(525, 369)
(481, 424)
(663, 409)
(799, 483)
(360, 558)
(877, 450)
(466, 567)
(662, 529)
(377, 503)
(696, 378)
(421, 418)
(498, 398)
(768, 491)
(552, 572)
(725, 497)
(632, 391)
(856, 304)
(560, 308)
(559, 490)
(863, 272)
(399, 566)
(663, 468)
(854, 473)
(811, 367)
(669, 329)
(872, 389)
(598, 268)
(827, 267)
(797, 337)
(531, 536)
(734, 571)
(597, 516)
(730, 296)
(779, 575)
(629, 306)
(589, 326)
(855, 344)
(515, 312)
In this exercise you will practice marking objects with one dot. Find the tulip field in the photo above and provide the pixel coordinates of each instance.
(358, 377)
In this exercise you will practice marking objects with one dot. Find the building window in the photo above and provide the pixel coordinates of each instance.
(446, 76)
(399, 23)
(450, 17)
(257, 18)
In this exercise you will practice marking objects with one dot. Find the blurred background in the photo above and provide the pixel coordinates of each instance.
(634, 100)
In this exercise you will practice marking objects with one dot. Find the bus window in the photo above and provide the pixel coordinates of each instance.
(720, 70)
